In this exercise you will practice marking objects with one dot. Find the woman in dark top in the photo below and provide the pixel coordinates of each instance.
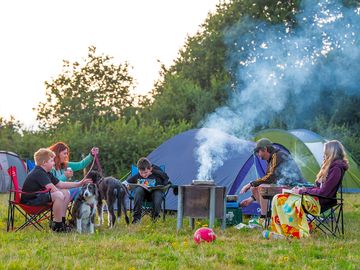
(288, 216)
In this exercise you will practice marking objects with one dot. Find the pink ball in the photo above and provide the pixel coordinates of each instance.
(204, 234)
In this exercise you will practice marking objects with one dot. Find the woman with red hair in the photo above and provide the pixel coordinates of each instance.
(64, 169)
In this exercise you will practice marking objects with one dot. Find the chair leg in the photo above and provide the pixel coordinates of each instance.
(342, 219)
(10, 222)
(335, 218)
(164, 207)
(34, 220)
(268, 213)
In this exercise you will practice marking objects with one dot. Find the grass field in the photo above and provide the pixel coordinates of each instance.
(158, 246)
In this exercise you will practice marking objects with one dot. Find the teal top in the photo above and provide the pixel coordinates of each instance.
(75, 166)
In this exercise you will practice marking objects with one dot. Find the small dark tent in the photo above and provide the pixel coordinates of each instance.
(8, 159)
(179, 157)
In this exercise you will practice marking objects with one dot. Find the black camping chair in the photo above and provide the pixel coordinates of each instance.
(147, 206)
(331, 218)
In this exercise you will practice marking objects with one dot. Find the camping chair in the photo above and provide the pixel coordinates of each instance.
(331, 218)
(147, 206)
(30, 164)
(33, 215)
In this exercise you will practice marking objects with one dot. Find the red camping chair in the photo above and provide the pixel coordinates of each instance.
(33, 214)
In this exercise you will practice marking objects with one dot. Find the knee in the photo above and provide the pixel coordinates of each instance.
(57, 195)
(139, 192)
(66, 193)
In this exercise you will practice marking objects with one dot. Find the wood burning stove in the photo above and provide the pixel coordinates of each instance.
(202, 199)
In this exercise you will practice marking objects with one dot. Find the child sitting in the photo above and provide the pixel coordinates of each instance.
(155, 176)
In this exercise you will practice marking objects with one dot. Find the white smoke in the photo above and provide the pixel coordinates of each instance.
(277, 63)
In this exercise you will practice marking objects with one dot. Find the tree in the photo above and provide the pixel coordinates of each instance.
(9, 133)
(199, 81)
(98, 89)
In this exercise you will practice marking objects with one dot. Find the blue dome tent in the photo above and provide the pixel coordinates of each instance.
(181, 164)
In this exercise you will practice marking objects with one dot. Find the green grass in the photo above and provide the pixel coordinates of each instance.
(159, 246)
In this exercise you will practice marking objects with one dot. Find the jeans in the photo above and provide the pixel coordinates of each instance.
(140, 194)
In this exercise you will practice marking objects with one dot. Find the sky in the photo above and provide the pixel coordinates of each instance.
(36, 36)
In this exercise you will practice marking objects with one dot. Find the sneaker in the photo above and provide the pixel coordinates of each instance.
(62, 229)
(155, 218)
(242, 226)
(136, 221)
(255, 223)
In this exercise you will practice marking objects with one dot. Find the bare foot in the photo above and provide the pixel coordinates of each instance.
(246, 202)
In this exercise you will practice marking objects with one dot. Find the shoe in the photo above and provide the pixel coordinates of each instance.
(60, 228)
(155, 218)
(136, 221)
(256, 223)
(242, 226)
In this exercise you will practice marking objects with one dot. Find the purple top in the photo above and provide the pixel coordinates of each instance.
(332, 183)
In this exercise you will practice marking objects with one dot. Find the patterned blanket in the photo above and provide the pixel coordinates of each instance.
(288, 216)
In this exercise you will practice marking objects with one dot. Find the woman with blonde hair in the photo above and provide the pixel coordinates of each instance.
(288, 217)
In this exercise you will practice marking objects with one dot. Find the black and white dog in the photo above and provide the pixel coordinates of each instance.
(83, 211)
(112, 191)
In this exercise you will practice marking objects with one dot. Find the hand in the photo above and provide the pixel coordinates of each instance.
(85, 181)
(94, 151)
(245, 188)
(69, 174)
(296, 190)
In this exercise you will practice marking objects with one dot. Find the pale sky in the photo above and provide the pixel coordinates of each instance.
(37, 35)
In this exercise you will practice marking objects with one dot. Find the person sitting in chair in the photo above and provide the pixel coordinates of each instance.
(40, 179)
(64, 169)
(288, 217)
(281, 170)
(150, 172)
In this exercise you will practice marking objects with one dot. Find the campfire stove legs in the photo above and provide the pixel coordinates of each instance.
(201, 201)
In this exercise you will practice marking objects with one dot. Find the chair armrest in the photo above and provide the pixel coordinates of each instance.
(24, 192)
(322, 197)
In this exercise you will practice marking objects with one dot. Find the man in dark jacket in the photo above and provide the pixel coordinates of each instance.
(281, 170)
(151, 176)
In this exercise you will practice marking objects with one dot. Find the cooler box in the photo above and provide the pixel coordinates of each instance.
(233, 214)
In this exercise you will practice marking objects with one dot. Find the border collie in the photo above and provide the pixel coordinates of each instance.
(84, 207)
(112, 191)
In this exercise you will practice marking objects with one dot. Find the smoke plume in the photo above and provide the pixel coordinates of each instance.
(276, 64)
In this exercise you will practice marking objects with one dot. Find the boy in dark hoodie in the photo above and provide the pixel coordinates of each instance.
(151, 173)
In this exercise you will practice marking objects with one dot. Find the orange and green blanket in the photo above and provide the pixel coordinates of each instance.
(288, 216)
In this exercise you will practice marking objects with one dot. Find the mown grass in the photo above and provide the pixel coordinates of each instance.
(158, 246)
